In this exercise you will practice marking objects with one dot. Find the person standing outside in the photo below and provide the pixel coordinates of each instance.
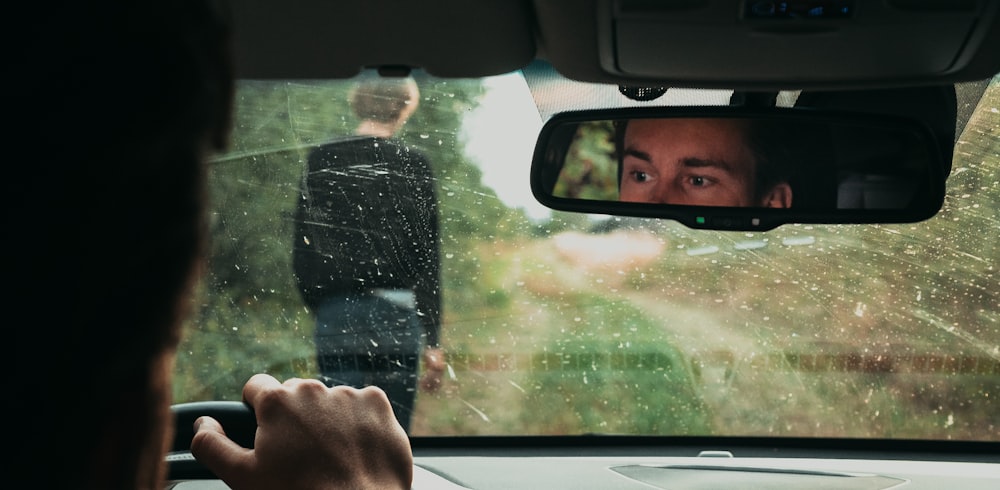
(371, 272)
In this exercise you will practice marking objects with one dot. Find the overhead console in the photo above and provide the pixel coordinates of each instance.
(792, 43)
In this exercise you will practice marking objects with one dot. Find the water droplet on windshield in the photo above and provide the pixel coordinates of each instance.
(859, 310)
(750, 245)
(798, 240)
(702, 250)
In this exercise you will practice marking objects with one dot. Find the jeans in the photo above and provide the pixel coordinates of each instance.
(370, 341)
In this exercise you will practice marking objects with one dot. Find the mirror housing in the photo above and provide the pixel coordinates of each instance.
(740, 168)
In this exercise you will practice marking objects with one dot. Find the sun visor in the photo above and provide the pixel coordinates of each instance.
(316, 39)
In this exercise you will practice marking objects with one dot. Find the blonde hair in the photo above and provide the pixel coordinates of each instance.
(383, 100)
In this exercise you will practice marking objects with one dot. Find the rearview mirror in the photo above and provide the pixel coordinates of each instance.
(735, 168)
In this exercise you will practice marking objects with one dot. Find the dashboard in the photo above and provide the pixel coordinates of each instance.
(613, 462)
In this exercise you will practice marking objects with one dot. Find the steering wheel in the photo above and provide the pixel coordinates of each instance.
(236, 418)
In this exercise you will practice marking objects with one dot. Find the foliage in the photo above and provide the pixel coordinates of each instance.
(612, 370)
(591, 167)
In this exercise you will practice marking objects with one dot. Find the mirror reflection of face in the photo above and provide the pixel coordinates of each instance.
(698, 162)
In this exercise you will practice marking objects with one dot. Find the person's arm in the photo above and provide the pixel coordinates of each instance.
(428, 289)
(428, 284)
(310, 437)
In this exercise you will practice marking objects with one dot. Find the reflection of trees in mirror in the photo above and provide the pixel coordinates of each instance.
(591, 169)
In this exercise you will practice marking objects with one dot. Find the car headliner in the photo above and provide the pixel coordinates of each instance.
(903, 42)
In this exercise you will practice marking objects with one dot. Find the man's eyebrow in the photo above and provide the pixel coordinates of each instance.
(641, 155)
(695, 162)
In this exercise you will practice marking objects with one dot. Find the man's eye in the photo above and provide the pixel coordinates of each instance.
(698, 181)
(640, 176)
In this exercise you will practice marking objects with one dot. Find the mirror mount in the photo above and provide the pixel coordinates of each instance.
(754, 99)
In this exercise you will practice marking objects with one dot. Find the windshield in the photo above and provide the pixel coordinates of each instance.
(557, 323)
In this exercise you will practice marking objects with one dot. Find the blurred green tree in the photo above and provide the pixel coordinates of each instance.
(591, 167)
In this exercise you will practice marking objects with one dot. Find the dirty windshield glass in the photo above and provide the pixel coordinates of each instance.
(353, 249)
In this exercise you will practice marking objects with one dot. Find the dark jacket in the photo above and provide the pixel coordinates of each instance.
(367, 218)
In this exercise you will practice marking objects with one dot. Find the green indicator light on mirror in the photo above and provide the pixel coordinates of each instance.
(700, 220)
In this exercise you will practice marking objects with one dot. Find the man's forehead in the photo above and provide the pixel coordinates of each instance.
(703, 142)
(686, 125)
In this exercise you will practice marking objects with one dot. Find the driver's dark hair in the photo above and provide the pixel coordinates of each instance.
(116, 106)
(771, 144)
(767, 140)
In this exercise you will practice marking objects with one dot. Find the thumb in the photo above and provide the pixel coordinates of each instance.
(214, 449)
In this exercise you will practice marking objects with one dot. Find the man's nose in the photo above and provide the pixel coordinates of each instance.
(665, 193)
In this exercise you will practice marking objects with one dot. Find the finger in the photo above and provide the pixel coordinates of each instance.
(375, 398)
(214, 449)
(370, 392)
(294, 382)
(431, 383)
(256, 385)
(434, 358)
